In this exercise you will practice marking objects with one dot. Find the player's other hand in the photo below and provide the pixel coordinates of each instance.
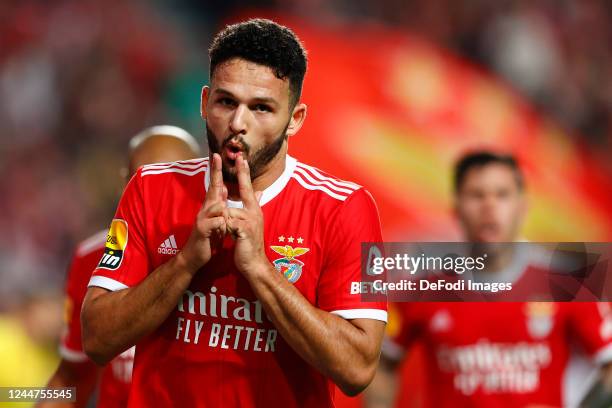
(210, 225)
(246, 225)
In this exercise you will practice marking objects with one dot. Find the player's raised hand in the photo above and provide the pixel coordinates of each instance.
(210, 225)
(246, 224)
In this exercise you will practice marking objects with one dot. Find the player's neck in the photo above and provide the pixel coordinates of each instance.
(270, 174)
(498, 256)
(501, 260)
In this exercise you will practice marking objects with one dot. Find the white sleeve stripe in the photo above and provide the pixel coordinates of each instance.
(72, 355)
(183, 165)
(106, 283)
(340, 183)
(603, 355)
(325, 183)
(308, 186)
(171, 170)
(374, 314)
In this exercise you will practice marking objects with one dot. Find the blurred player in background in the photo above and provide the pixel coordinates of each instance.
(153, 145)
(232, 274)
(492, 354)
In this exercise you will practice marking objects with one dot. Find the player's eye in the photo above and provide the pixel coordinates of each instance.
(226, 102)
(261, 107)
(476, 194)
(503, 194)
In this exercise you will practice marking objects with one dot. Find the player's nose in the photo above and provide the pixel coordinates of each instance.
(489, 203)
(239, 120)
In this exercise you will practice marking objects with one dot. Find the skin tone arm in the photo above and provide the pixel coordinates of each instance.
(114, 321)
(83, 376)
(346, 351)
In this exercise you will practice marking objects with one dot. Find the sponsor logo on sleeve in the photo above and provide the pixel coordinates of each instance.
(116, 241)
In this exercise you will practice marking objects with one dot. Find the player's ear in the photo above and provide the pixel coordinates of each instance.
(297, 119)
(204, 101)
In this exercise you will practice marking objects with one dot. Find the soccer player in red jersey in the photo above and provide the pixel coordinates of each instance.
(232, 274)
(153, 145)
(495, 354)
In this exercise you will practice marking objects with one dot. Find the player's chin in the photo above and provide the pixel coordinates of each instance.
(228, 161)
(230, 172)
(489, 238)
(491, 235)
(229, 164)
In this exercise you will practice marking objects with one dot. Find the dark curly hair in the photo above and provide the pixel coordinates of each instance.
(263, 42)
(483, 158)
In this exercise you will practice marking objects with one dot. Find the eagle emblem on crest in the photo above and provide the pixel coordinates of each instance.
(288, 265)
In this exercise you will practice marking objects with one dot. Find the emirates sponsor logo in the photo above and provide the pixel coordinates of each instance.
(203, 316)
(493, 368)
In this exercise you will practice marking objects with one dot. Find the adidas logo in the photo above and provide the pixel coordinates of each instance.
(168, 247)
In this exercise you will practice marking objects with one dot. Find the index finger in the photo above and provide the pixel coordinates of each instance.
(216, 178)
(244, 183)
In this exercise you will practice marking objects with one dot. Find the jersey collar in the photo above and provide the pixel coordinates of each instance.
(269, 193)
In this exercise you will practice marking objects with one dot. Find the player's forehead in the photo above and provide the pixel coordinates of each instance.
(490, 176)
(248, 80)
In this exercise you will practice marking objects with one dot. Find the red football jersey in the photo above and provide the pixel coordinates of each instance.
(115, 382)
(218, 348)
(498, 354)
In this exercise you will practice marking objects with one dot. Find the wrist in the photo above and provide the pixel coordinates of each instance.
(184, 263)
(259, 268)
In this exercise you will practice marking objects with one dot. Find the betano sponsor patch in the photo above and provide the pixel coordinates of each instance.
(116, 241)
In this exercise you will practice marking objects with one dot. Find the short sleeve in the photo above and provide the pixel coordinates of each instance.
(355, 222)
(125, 261)
(591, 323)
(71, 348)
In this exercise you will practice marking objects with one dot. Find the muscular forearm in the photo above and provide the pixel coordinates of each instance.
(114, 321)
(338, 348)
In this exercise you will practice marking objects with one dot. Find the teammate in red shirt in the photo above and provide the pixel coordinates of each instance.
(495, 354)
(232, 275)
(153, 145)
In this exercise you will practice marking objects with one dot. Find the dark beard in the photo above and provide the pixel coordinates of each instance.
(257, 161)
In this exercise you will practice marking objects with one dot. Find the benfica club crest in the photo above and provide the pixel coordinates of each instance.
(288, 265)
(540, 318)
